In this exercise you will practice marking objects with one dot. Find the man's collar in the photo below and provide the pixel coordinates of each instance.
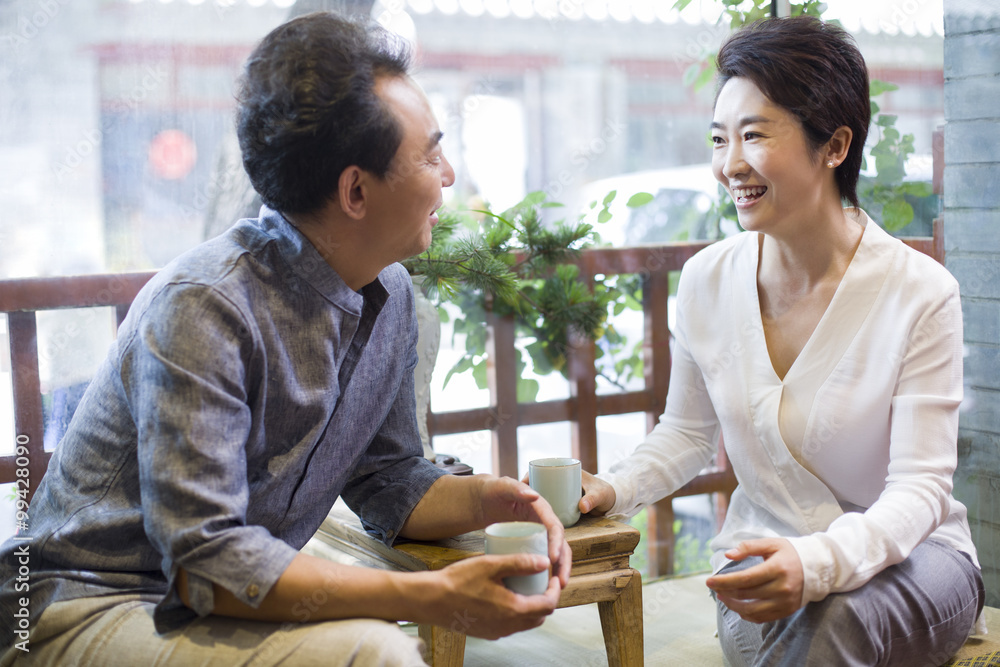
(307, 261)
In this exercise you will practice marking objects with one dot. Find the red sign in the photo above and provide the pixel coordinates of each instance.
(172, 154)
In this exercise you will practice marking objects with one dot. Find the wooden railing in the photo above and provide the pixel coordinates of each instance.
(504, 414)
(22, 299)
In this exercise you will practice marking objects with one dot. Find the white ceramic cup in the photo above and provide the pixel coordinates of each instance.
(520, 537)
(559, 482)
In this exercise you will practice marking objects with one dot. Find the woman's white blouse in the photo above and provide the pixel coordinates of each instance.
(851, 455)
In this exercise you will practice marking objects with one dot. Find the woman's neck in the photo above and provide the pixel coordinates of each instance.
(815, 254)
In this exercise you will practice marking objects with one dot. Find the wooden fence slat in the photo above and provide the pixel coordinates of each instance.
(501, 373)
(28, 418)
(22, 297)
(583, 389)
(29, 294)
(656, 342)
(540, 412)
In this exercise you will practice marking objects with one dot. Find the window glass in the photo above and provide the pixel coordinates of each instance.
(71, 346)
(472, 448)
(542, 441)
(117, 147)
(117, 141)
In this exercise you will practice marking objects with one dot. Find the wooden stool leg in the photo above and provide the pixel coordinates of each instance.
(621, 620)
(442, 647)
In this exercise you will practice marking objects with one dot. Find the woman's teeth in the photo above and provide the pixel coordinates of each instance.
(744, 193)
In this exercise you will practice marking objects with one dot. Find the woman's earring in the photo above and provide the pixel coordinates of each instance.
(830, 164)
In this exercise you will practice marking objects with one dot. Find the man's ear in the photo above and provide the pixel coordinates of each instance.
(838, 145)
(352, 192)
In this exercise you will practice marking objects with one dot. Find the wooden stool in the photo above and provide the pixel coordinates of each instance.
(601, 573)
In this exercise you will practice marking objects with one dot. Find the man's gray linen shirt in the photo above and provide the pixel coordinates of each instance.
(248, 388)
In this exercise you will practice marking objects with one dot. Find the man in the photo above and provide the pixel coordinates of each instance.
(255, 380)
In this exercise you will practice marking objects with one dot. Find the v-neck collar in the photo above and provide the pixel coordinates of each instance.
(847, 310)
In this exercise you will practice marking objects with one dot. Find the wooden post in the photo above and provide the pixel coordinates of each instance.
(621, 622)
(656, 366)
(656, 344)
(501, 374)
(442, 647)
(29, 425)
(583, 389)
(660, 538)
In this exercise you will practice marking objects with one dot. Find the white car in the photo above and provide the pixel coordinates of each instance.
(680, 210)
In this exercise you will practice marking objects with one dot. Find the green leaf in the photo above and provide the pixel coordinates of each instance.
(679, 5)
(888, 169)
(917, 188)
(639, 199)
(875, 107)
(539, 358)
(527, 390)
(674, 280)
(896, 214)
(691, 74)
(876, 87)
(479, 374)
(475, 341)
(706, 76)
(886, 120)
(464, 364)
(604, 215)
(610, 197)
(534, 197)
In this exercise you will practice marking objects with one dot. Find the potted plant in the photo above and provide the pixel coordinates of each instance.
(515, 263)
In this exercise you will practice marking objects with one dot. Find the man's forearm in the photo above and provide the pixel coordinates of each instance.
(313, 589)
(451, 506)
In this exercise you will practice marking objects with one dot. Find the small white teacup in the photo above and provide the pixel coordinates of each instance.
(520, 537)
(559, 482)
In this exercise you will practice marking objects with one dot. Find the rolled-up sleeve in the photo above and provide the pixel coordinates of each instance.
(185, 375)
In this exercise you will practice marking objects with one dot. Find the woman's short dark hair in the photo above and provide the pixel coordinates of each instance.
(814, 70)
(307, 108)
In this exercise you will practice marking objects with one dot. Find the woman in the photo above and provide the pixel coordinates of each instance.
(829, 357)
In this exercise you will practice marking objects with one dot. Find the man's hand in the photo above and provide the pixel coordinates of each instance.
(766, 592)
(469, 596)
(598, 496)
(506, 499)
(456, 504)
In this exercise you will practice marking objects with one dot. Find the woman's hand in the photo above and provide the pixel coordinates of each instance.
(506, 499)
(766, 592)
(598, 496)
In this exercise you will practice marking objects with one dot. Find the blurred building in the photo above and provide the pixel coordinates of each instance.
(116, 147)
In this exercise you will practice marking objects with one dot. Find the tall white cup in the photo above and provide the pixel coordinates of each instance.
(520, 537)
(559, 482)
